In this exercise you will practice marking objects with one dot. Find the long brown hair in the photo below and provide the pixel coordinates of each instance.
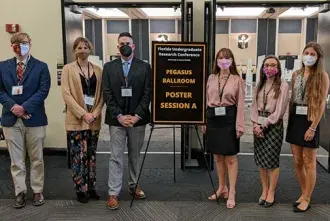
(226, 52)
(315, 83)
(277, 80)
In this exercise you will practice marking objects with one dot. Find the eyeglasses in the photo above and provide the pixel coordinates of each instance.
(21, 42)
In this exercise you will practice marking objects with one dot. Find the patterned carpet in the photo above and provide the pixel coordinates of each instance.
(184, 200)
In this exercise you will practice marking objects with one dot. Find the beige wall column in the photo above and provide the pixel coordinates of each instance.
(43, 21)
(198, 20)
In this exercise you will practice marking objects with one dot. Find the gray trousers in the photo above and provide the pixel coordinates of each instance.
(119, 136)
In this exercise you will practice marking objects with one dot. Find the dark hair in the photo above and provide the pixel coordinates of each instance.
(277, 80)
(228, 54)
(125, 34)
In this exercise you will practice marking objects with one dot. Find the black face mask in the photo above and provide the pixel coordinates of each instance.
(125, 50)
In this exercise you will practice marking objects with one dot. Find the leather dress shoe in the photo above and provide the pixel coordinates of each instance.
(113, 202)
(139, 194)
(38, 199)
(20, 201)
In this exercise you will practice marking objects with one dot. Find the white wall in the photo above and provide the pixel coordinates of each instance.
(42, 20)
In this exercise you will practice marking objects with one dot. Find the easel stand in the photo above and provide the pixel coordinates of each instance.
(174, 167)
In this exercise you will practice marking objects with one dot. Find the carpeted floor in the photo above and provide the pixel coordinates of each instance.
(157, 180)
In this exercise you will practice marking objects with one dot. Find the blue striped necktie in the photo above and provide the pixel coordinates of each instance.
(125, 68)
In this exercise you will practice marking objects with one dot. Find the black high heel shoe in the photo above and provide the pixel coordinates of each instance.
(261, 202)
(268, 204)
(295, 204)
(297, 210)
(93, 195)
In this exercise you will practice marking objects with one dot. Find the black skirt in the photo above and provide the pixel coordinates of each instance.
(297, 127)
(267, 150)
(221, 135)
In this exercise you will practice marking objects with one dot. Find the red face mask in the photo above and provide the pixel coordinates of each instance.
(17, 49)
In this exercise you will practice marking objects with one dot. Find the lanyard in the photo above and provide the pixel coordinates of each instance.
(86, 79)
(266, 95)
(221, 91)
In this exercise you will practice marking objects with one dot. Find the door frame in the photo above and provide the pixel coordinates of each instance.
(66, 3)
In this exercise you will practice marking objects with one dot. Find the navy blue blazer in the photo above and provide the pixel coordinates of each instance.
(36, 85)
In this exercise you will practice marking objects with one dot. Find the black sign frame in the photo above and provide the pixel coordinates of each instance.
(178, 117)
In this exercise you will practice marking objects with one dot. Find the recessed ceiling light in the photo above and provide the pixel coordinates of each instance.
(161, 12)
(299, 12)
(108, 12)
(239, 12)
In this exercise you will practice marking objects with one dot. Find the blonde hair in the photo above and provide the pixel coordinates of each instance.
(19, 36)
(315, 83)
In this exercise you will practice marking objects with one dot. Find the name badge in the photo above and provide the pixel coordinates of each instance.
(262, 120)
(220, 111)
(17, 90)
(301, 110)
(89, 100)
(126, 91)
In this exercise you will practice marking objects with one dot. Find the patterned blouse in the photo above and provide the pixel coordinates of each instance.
(299, 87)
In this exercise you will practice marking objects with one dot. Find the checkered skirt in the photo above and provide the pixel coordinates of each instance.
(267, 150)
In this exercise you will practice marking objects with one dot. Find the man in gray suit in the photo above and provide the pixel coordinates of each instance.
(126, 85)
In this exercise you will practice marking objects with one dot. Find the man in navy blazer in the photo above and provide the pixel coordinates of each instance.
(24, 86)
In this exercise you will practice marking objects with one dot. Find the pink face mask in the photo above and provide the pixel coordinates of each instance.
(270, 72)
(224, 63)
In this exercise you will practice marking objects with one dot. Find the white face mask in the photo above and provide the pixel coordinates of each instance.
(309, 60)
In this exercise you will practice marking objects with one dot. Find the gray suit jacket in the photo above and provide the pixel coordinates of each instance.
(139, 78)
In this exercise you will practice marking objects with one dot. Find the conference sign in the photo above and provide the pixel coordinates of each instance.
(178, 82)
